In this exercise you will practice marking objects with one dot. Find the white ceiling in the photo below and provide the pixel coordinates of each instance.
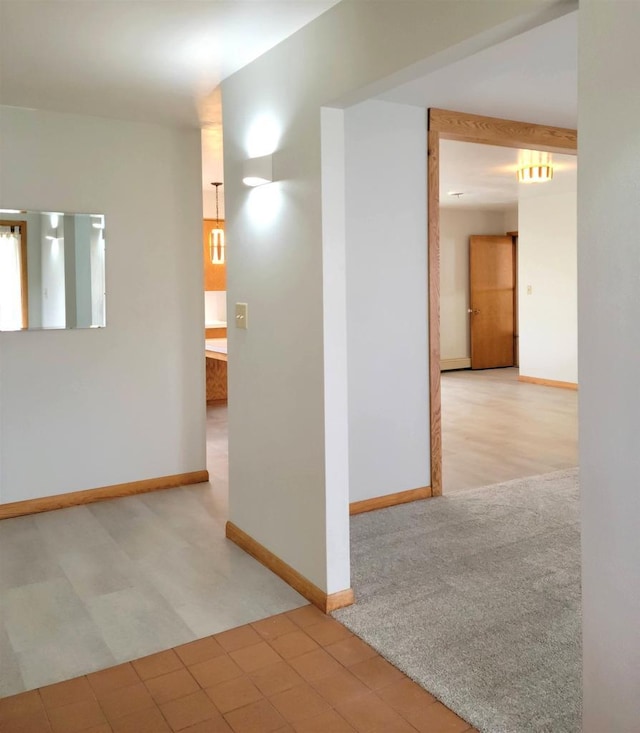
(486, 174)
(532, 77)
(147, 60)
(162, 61)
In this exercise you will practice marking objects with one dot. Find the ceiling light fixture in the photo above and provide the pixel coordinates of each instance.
(216, 238)
(535, 167)
(258, 171)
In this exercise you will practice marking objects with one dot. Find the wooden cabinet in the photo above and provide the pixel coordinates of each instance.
(216, 370)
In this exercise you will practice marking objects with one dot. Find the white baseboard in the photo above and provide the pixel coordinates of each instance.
(447, 364)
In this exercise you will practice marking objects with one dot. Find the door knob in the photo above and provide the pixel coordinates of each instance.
(475, 311)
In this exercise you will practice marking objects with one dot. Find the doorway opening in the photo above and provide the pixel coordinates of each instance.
(14, 301)
(496, 428)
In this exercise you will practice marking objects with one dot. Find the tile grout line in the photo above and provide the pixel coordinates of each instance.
(320, 632)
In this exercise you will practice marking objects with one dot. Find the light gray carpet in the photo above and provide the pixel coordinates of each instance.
(477, 598)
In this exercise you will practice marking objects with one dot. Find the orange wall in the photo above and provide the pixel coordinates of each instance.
(215, 276)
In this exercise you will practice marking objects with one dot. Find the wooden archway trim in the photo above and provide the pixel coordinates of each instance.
(464, 127)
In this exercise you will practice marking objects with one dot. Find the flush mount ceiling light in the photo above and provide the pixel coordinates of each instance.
(216, 238)
(258, 171)
(534, 167)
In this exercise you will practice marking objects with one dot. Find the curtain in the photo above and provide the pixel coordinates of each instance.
(10, 283)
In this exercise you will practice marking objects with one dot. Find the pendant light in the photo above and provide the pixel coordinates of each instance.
(535, 167)
(216, 238)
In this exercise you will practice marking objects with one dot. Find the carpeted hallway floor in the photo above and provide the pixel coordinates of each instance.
(477, 597)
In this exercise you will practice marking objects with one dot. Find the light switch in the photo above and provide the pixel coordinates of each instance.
(529, 290)
(242, 315)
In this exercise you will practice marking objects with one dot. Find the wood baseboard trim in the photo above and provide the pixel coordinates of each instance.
(548, 382)
(75, 498)
(326, 602)
(382, 502)
(461, 363)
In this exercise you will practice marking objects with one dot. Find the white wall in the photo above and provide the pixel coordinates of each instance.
(386, 275)
(215, 307)
(456, 226)
(54, 276)
(97, 250)
(609, 397)
(287, 401)
(547, 264)
(209, 203)
(98, 407)
(510, 221)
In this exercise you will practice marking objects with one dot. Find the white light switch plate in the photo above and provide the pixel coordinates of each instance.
(242, 315)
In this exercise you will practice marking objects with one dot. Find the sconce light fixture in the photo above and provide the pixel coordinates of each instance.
(258, 171)
(216, 238)
(535, 167)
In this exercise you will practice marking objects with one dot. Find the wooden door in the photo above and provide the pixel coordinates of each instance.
(491, 301)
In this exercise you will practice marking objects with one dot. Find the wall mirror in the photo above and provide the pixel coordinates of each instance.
(51, 270)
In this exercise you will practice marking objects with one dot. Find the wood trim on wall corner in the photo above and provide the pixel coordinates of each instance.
(382, 502)
(75, 498)
(433, 259)
(548, 382)
(326, 602)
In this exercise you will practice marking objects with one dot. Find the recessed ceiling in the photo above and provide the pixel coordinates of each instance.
(486, 174)
(147, 60)
(531, 78)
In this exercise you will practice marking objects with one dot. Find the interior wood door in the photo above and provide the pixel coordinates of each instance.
(491, 301)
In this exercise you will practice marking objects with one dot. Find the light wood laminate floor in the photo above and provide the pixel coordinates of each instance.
(495, 428)
(84, 588)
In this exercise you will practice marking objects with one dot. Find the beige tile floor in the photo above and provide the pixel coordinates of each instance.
(495, 428)
(85, 588)
(298, 672)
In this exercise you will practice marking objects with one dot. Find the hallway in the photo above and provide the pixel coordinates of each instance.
(495, 428)
(91, 586)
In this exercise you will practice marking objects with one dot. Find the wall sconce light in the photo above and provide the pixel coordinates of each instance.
(535, 167)
(216, 237)
(258, 171)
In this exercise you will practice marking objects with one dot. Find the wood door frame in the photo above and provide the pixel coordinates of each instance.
(516, 320)
(24, 275)
(463, 127)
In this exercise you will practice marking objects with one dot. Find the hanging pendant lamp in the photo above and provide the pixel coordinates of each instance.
(535, 167)
(216, 238)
